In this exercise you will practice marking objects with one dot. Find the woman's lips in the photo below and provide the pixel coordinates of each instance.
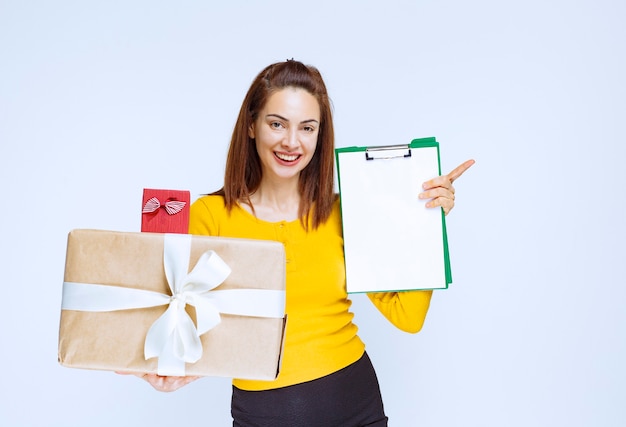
(289, 158)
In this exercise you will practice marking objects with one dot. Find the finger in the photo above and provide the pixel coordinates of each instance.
(163, 384)
(442, 202)
(438, 181)
(437, 192)
(137, 374)
(168, 383)
(174, 383)
(459, 170)
(445, 203)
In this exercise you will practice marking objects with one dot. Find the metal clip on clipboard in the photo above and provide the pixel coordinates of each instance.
(387, 152)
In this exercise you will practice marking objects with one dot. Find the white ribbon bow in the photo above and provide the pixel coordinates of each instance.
(173, 337)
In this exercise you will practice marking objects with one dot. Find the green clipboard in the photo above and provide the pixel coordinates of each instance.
(392, 242)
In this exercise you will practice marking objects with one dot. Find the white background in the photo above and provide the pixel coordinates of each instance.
(99, 100)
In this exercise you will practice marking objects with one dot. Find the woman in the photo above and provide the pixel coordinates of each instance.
(279, 186)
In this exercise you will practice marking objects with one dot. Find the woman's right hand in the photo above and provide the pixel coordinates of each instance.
(165, 384)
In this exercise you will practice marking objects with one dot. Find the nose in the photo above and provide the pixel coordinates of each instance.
(291, 139)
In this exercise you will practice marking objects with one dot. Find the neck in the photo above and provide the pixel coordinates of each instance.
(276, 202)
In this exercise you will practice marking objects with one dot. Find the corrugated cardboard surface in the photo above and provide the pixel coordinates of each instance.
(239, 347)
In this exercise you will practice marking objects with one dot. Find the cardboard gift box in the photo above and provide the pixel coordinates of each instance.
(165, 211)
(173, 304)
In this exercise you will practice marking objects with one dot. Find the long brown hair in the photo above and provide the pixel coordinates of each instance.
(243, 166)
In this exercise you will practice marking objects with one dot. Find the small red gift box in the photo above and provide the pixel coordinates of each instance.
(165, 211)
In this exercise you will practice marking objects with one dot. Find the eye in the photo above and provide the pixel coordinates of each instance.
(309, 128)
(276, 125)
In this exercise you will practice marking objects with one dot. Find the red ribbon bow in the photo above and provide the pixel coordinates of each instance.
(172, 207)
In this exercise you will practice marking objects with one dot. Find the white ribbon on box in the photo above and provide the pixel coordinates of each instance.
(173, 337)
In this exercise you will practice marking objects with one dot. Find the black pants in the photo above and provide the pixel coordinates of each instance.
(349, 397)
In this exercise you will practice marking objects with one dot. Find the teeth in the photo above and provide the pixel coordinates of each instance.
(286, 157)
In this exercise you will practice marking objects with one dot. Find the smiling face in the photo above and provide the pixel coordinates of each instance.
(285, 132)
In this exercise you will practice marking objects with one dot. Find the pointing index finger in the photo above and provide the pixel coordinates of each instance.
(459, 170)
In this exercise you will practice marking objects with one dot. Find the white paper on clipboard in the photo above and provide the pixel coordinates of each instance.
(392, 242)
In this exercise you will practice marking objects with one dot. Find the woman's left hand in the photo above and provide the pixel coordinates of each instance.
(440, 189)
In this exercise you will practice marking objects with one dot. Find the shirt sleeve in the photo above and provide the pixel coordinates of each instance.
(405, 310)
(201, 220)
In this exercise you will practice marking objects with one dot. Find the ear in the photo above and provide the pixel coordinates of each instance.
(251, 131)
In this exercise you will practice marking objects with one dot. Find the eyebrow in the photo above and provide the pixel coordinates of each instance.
(286, 119)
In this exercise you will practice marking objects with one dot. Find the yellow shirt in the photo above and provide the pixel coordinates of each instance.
(320, 336)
